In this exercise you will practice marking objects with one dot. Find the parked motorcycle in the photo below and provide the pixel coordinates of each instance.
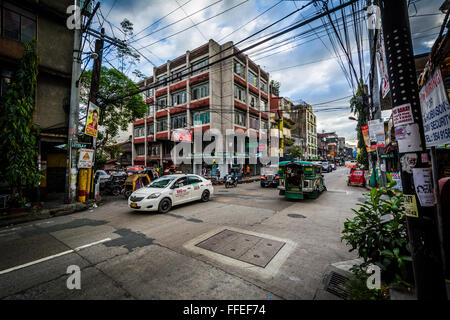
(231, 181)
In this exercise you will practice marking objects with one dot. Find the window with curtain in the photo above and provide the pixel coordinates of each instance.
(239, 69)
(239, 93)
(240, 118)
(179, 98)
(197, 65)
(201, 118)
(161, 125)
(200, 91)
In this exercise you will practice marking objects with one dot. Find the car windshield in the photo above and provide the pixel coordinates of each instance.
(161, 182)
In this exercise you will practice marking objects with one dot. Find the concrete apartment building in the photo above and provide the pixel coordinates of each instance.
(43, 20)
(280, 123)
(232, 94)
(305, 129)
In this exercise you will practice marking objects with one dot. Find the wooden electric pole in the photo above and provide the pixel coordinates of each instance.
(415, 164)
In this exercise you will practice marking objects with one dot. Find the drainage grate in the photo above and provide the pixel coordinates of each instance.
(243, 247)
(335, 284)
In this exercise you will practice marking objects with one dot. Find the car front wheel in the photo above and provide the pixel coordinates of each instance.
(165, 205)
(205, 196)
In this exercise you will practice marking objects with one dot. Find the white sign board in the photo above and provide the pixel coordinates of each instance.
(402, 115)
(435, 111)
(424, 186)
(86, 158)
(376, 133)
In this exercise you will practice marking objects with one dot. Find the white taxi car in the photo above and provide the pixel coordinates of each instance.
(171, 190)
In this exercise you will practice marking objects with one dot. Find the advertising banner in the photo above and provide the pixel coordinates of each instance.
(92, 120)
(382, 67)
(86, 158)
(376, 133)
(182, 136)
(435, 111)
(397, 178)
(402, 115)
(365, 132)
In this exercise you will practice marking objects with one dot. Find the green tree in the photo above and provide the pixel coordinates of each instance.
(357, 107)
(114, 116)
(295, 152)
(18, 151)
(275, 87)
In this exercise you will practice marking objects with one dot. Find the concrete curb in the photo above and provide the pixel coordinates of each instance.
(42, 214)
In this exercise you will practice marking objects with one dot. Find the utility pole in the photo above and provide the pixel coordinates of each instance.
(95, 85)
(74, 100)
(421, 220)
(374, 88)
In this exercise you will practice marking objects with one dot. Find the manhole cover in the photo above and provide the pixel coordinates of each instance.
(294, 215)
(244, 247)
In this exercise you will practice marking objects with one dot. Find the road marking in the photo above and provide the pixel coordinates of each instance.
(53, 256)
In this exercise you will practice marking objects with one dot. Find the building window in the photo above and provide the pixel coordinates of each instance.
(161, 103)
(179, 121)
(201, 118)
(179, 98)
(153, 150)
(239, 93)
(263, 85)
(252, 79)
(179, 74)
(139, 131)
(161, 81)
(263, 105)
(140, 149)
(150, 93)
(197, 66)
(240, 118)
(264, 125)
(18, 24)
(239, 69)
(150, 129)
(253, 101)
(201, 91)
(161, 125)
(254, 122)
(151, 109)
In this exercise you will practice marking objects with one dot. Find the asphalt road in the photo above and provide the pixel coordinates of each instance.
(124, 254)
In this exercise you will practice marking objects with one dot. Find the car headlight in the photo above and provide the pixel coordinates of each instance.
(154, 196)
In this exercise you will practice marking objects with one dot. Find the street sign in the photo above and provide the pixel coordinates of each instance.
(86, 158)
(78, 145)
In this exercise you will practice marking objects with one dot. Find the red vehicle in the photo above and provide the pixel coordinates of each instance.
(356, 177)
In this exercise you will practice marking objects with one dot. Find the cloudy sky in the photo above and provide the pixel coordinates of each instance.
(306, 67)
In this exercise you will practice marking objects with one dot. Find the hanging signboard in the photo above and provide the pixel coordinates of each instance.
(423, 184)
(365, 132)
(402, 115)
(376, 133)
(86, 158)
(92, 120)
(408, 138)
(397, 178)
(435, 111)
(179, 135)
(382, 66)
(410, 205)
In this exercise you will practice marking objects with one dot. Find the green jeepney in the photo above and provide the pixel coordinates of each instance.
(300, 178)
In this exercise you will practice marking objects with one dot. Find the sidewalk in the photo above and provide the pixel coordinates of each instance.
(54, 206)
